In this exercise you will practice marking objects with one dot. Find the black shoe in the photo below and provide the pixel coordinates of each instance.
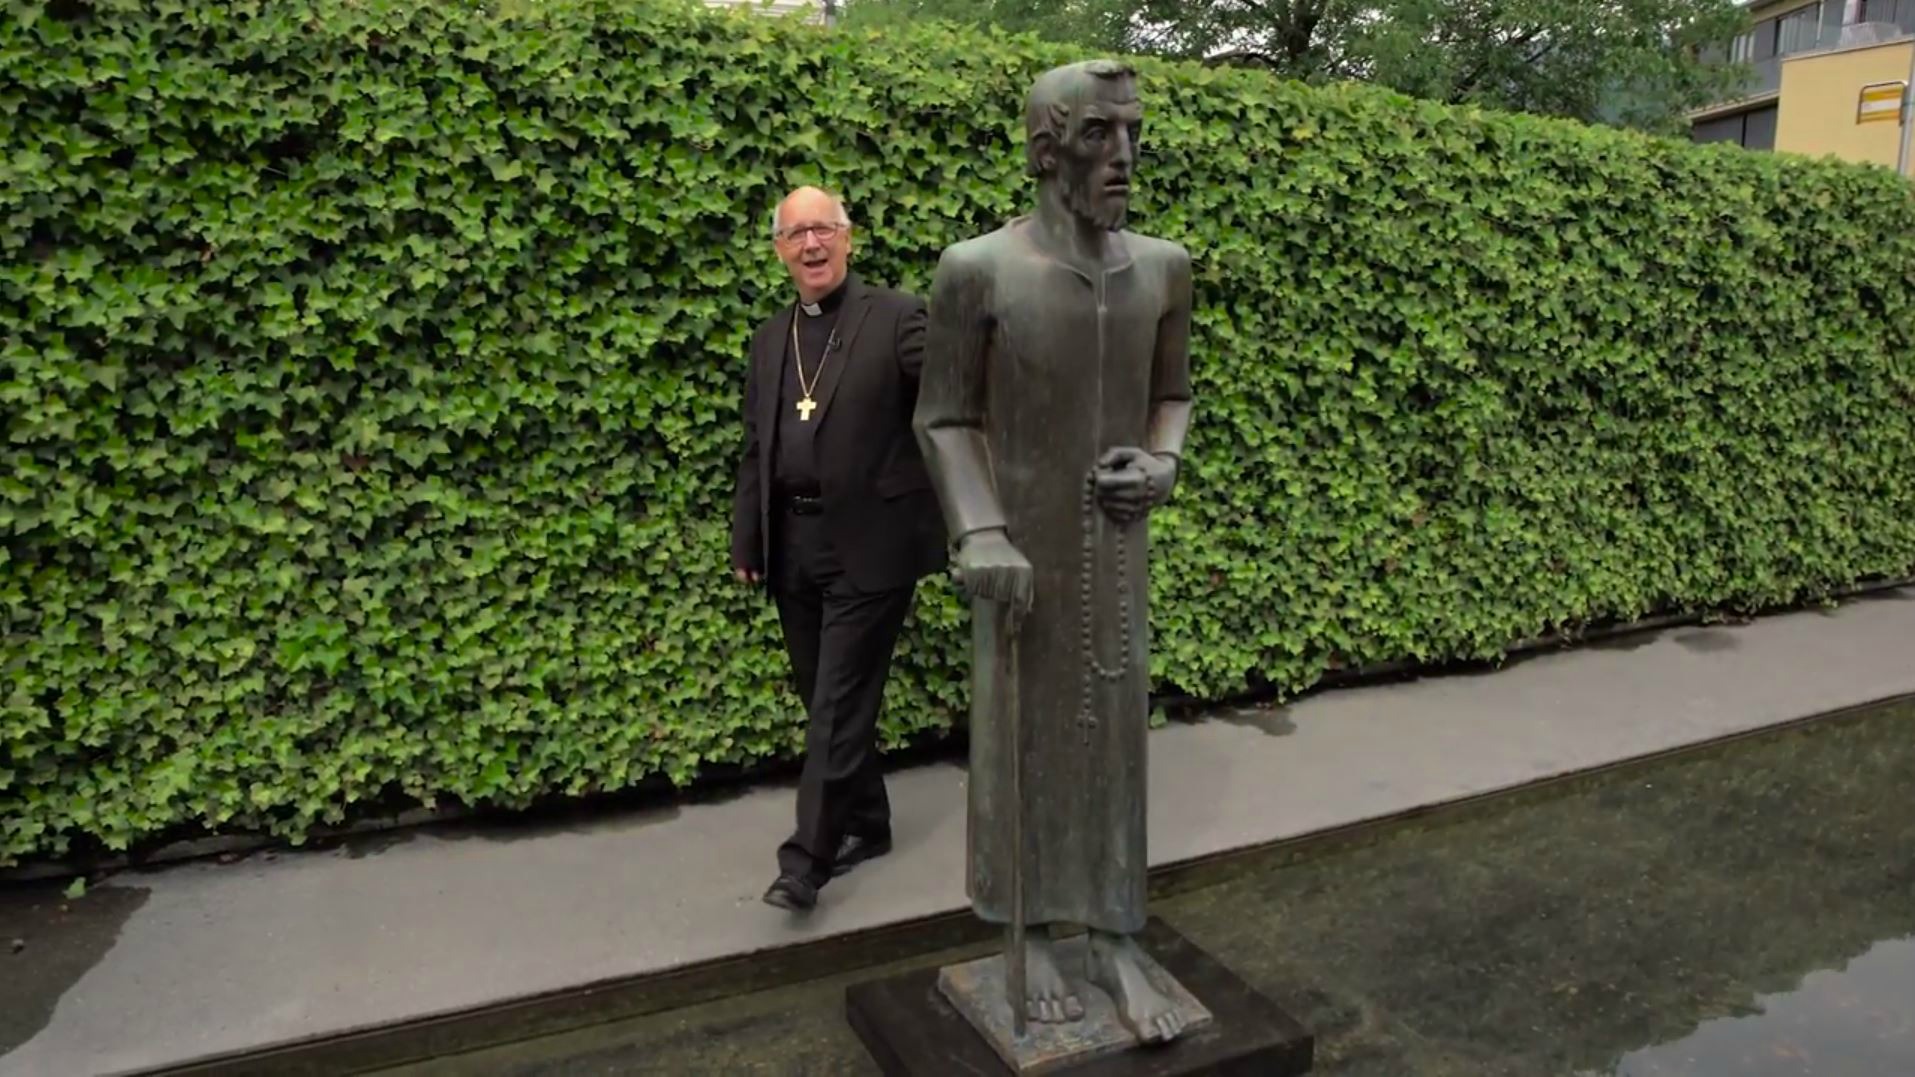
(791, 892)
(855, 850)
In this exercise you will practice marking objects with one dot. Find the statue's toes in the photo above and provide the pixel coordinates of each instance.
(1073, 1009)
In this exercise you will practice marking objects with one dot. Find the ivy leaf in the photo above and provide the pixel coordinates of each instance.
(371, 371)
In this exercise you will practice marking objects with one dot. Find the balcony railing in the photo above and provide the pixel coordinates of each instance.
(1765, 77)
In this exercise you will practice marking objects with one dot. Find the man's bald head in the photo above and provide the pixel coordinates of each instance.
(812, 232)
(808, 203)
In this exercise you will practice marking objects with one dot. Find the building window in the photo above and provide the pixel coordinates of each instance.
(1799, 30)
(1753, 130)
(1897, 12)
(1764, 40)
(1724, 129)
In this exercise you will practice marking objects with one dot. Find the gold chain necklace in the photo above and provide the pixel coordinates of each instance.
(806, 405)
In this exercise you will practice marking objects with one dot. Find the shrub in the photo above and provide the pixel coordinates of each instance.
(371, 374)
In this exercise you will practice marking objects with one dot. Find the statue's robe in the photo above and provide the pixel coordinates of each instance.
(1033, 370)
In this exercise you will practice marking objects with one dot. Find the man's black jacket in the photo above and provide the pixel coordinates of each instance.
(879, 508)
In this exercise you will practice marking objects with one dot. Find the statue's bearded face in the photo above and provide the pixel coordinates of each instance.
(1098, 153)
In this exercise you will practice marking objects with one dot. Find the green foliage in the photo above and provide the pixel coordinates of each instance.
(1113, 25)
(369, 373)
(1640, 63)
(1643, 63)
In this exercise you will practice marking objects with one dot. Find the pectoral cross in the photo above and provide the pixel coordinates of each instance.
(806, 405)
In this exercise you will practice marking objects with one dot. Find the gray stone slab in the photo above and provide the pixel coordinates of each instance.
(910, 1027)
(204, 958)
(976, 989)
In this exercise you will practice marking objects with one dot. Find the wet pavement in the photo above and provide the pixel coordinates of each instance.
(1747, 909)
(47, 942)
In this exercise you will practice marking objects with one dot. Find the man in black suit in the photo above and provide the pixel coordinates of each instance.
(835, 515)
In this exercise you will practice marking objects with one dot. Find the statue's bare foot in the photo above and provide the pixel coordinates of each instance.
(1117, 966)
(1048, 997)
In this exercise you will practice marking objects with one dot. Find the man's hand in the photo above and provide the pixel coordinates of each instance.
(1131, 482)
(747, 575)
(989, 567)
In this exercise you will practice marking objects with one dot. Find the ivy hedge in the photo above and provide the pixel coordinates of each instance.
(371, 374)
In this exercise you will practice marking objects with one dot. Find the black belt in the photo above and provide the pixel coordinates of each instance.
(801, 504)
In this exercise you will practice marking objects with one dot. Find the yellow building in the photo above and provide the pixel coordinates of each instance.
(1829, 78)
(1846, 101)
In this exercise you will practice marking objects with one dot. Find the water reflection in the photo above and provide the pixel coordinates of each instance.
(1857, 1020)
(1744, 912)
(1571, 932)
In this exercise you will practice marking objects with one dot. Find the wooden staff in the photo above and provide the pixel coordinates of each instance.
(1014, 953)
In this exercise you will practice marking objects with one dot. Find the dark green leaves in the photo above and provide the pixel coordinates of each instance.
(369, 377)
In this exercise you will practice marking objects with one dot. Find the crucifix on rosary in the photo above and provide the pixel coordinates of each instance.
(806, 405)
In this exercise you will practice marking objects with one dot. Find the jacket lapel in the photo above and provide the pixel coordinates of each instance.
(857, 304)
(771, 380)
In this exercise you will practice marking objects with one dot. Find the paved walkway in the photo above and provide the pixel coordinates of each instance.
(164, 966)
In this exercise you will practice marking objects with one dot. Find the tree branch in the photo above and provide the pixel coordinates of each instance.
(1468, 82)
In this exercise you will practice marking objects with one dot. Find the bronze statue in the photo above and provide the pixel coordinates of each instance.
(1052, 414)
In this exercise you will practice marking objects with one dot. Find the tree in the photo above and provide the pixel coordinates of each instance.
(1098, 24)
(1639, 63)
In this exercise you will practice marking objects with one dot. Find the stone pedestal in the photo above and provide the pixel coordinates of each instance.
(954, 1021)
(976, 990)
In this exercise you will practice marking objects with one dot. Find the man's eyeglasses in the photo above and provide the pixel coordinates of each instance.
(796, 233)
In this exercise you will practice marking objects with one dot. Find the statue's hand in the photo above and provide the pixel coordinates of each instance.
(990, 568)
(1131, 482)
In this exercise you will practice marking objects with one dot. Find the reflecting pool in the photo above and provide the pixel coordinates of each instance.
(1746, 910)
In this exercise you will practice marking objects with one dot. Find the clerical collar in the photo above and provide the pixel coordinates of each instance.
(827, 303)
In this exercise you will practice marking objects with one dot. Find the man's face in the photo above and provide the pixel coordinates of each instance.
(813, 244)
(1099, 151)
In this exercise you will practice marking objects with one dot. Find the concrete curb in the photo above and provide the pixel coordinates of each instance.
(236, 845)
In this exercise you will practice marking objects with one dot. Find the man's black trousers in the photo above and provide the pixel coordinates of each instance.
(840, 642)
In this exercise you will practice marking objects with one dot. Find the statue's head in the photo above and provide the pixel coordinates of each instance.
(1081, 126)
